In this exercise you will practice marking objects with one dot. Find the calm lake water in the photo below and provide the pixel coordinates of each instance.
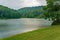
(11, 27)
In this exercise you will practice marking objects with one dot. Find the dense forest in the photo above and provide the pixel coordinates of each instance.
(31, 12)
(27, 12)
(7, 13)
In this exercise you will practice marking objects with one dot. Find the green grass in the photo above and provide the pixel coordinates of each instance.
(49, 33)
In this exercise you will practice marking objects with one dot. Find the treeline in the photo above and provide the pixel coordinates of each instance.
(7, 13)
(28, 12)
(31, 12)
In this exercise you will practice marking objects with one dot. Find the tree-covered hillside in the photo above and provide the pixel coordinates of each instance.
(7, 13)
(27, 12)
(31, 12)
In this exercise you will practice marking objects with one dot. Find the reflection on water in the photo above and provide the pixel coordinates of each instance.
(14, 26)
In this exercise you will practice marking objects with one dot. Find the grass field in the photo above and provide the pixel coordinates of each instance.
(49, 33)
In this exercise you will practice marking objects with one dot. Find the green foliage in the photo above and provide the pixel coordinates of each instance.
(7, 13)
(52, 10)
(31, 12)
(28, 12)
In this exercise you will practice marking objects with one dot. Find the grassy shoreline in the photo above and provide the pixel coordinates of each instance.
(49, 33)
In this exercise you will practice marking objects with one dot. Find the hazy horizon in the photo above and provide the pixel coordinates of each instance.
(17, 4)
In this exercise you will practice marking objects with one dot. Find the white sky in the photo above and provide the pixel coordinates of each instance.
(16, 4)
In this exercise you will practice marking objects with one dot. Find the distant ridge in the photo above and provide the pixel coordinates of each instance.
(29, 11)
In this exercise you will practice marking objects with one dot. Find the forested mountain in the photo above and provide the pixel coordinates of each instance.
(27, 12)
(31, 12)
(7, 13)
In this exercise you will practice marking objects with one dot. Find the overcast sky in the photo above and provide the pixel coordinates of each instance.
(16, 4)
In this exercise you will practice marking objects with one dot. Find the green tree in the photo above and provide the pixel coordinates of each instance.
(52, 11)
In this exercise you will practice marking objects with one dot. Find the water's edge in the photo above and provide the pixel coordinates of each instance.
(16, 26)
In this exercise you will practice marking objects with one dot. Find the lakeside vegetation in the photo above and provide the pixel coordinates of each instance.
(7, 13)
(48, 33)
(28, 12)
(51, 12)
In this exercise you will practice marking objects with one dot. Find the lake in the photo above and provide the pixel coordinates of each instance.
(11, 27)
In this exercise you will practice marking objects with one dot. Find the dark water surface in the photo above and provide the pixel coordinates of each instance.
(15, 26)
